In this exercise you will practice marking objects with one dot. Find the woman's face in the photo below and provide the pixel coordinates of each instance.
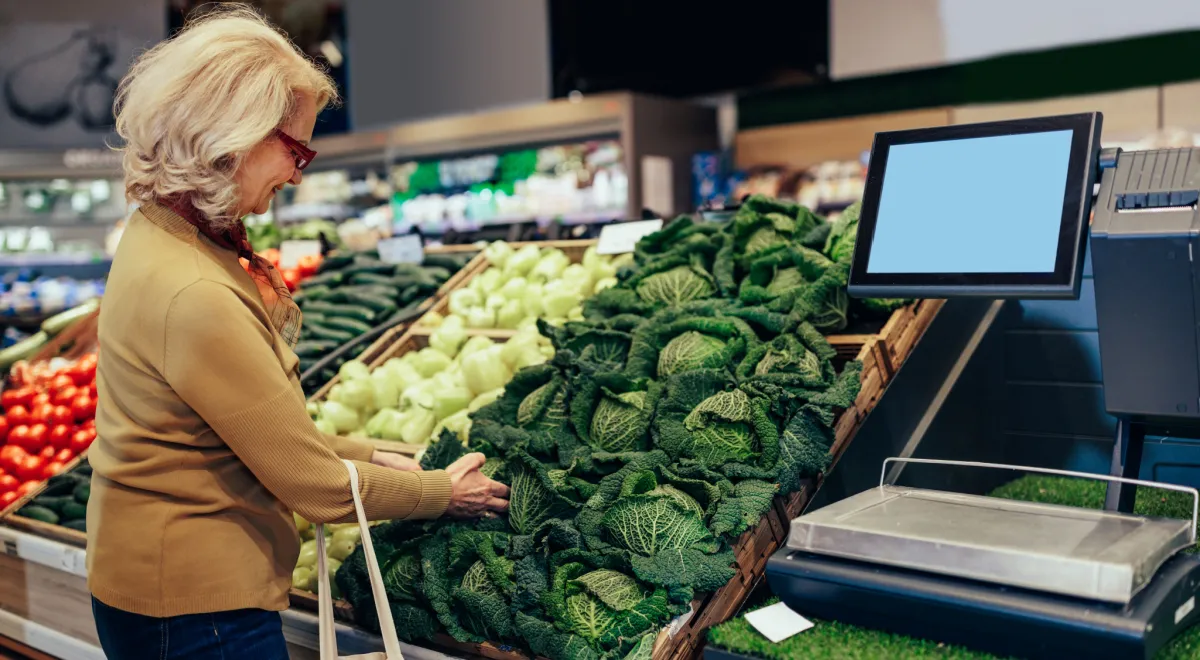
(272, 164)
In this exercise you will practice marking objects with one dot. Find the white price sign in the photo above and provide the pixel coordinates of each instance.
(291, 251)
(622, 237)
(405, 249)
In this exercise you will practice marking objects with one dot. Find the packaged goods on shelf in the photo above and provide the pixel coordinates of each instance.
(693, 399)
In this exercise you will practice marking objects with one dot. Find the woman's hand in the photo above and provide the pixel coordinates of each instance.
(395, 461)
(473, 495)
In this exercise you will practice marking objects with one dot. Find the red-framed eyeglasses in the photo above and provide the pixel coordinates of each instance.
(304, 155)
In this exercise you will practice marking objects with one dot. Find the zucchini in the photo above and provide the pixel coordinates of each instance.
(83, 492)
(77, 525)
(23, 349)
(59, 322)
(330, 279)
(347, 294)
(450, 263)
(53, 502)
(371, 278)
(73, 511)
(330, 334)
(314, 348)
(348, 324)
(83, 470)
(39, 513)
(335, 261)
(314, 317)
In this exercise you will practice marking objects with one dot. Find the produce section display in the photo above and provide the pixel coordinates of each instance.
(340, 541)
(50, 328)
(694, 390)
(522, 285)
(48, 420)
(353, 293)
(23, 297)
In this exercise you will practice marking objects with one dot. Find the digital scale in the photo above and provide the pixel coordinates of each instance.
(1001, 210)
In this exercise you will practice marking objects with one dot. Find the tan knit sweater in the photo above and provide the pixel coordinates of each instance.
(203, 444)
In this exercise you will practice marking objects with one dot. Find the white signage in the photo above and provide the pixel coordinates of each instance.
(622, 237)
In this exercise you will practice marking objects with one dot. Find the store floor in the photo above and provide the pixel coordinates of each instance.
(843, 642)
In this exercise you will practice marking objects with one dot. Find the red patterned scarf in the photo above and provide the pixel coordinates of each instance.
(285, 314)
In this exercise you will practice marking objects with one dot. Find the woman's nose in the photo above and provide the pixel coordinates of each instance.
(297, 176)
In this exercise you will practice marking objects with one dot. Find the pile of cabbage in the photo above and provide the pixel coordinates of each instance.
(522, 286)
(413, 398)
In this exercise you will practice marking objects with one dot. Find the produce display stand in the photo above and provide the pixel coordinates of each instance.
(389, 336)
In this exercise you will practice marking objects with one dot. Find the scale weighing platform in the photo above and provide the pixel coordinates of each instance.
(1001, 210)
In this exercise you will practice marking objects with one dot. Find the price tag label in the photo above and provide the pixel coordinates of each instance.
(777, 622)
(621, 237)
(291, 251)
(405, 249)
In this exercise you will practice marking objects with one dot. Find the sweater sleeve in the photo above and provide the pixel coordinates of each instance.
(218, 358)
(349, 448)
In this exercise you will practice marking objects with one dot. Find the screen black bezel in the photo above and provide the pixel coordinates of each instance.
(1077, 195)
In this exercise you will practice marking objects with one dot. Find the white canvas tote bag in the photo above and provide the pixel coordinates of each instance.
(326, 635)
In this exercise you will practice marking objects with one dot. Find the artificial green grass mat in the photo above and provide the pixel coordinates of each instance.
(844, 642)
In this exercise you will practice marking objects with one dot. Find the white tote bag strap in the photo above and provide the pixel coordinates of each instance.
(387, 628)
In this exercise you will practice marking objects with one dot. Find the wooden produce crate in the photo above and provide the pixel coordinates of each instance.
(881, 355)
(573, 249)
(392, 335)
(74, 342)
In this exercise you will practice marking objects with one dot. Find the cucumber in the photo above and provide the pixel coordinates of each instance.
(450, 263)
(330, 334)
(370, 278)
(79, 525)
(83, 470)
(376, 303)
(314, 348)
(308, 363)
(335, 261)
(348, 294)
(364, 264)
(82, 493)
(23, 349)
(330, 279)
(311, 293)
(39, 513)
(348, 324)
(314, 317)
(364, 314)
(59, 322)
(53, 502)
(73, 511)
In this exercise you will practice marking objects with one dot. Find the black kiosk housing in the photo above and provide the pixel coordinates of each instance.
(1145, 236)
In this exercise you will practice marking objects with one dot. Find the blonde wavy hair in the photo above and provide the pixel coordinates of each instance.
(191, 108)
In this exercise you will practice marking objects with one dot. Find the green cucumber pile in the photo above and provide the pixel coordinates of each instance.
(64, 502)
(353, 293)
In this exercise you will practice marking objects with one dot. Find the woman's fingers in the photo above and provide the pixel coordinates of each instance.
(496, 504)
(499, 489)
(465, 464)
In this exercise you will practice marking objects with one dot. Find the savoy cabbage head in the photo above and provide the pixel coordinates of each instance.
(675, 286)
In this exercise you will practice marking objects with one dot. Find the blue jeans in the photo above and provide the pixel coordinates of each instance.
(256, 634)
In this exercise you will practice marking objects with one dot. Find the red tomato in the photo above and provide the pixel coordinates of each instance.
(52, 468)
(92, 390)
(64, 396)
(59, 436)
(17, 438)
(307, 265)
(47, 453)
(18, 416)
(3, 429)
(81, 440)
(36, 439)
(41, 414)
(61, 382)
(64, 455)
(83, 408)
(39, 399)
(81, 374)
(8, 498)
(9, 483)
(272, 255)
(89, 424)
(61, 415)
(291, 277)
(10, 456)
(20, 396)
(30, 485)
(30, 470)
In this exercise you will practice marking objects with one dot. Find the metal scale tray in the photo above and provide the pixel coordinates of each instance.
(1097, 555)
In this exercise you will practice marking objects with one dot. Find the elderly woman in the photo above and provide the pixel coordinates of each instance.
(204, 447)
